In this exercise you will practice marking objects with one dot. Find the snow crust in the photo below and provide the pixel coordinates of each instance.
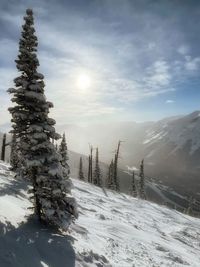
(132, 232)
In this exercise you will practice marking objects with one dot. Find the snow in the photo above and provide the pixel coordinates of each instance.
(112, 230)
(135, 231)
(130, 169)
(183, 131)
(152, 135)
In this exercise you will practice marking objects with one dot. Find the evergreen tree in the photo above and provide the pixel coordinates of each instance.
(14, 157)
(110, 179)
(90, 166)
(97, 171)
(53, 202)
(64, 155)
(81, 175)
(115, 169)
(142, 182)
(133, 189)
(89, 169)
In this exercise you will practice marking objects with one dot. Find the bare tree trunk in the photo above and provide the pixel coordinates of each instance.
(37, 205)
(142, 193)
(91, 172)
(3, 148)
(89, 169)
(116, 167)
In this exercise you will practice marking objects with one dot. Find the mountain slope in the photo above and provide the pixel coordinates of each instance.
(170, 147)
(155, 191)
(112, 230)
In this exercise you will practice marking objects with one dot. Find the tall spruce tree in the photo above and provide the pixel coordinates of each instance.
(64, 155)
(80, 174)
(142, 193)
(53, 202)
(110, 179)
(97, 171)
(14, 154)
(90, 166)
(133, 186)
(89, 169)
(115, 168)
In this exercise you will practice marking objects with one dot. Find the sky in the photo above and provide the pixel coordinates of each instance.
(108, 60)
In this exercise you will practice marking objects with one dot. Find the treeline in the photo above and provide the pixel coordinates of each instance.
(137, 186)
(94, 174)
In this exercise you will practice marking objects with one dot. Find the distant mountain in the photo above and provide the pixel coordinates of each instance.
(170, 147)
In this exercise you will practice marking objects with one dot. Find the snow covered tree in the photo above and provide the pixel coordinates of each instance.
(133, 186)
(14, 156)
(64, 155)
(97, 171)
(52, 198)
(142, 193)
(80, 174)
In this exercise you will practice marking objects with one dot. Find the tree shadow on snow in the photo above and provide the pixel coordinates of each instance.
(34, 245)
(14, 187)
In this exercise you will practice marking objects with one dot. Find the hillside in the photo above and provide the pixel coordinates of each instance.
(112, 230)
(156, 191)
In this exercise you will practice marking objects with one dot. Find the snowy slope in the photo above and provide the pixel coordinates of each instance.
(112, 230)
(179, 131)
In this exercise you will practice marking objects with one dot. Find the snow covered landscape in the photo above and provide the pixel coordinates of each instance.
(113, 229)
(110, 177)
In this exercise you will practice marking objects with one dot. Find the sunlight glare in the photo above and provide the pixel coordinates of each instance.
(83, 82)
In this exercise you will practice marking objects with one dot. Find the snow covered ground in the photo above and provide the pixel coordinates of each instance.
(112, 230)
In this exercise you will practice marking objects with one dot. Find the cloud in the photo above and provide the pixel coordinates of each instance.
(183, 50)
(169, 101)
(151, 45)
(192, 64)
(159, 74)
(131, 169)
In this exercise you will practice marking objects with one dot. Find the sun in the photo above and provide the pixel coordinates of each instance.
(83, 82)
